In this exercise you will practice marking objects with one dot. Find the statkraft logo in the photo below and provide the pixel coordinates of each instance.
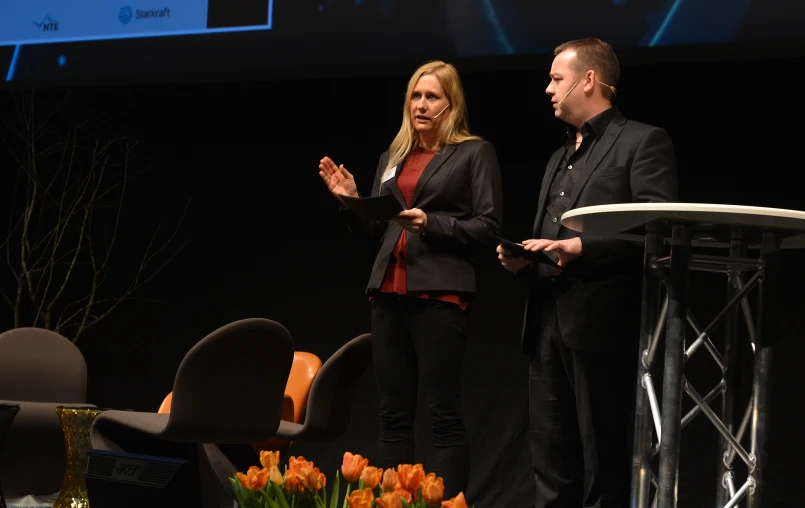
(125, 14)
(47, 24)
(152, 13)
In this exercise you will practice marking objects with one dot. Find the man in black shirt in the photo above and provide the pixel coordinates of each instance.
(581, 320)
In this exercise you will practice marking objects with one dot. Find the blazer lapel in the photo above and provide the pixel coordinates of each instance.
(596, 156)
(435, 163)
(550, 172)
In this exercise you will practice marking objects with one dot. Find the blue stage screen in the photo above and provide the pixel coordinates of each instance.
(53, 41)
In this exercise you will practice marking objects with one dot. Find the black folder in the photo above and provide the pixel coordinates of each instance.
(518, 250)
(382, 207)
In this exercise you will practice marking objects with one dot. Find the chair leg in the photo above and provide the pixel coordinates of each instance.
(216, 491)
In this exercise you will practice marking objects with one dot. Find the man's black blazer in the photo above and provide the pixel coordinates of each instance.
(461, 192)
(631, 163)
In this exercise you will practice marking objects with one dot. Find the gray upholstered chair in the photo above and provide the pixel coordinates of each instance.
(328, 408)
(38, 365)
(228, 389)
(39, 370)
(330, 401)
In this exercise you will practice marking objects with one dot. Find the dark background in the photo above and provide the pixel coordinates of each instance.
(265, 238)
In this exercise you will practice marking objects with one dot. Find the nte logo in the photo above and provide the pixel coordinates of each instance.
(48, 24)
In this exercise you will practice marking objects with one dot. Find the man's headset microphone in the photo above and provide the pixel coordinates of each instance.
(559, 104)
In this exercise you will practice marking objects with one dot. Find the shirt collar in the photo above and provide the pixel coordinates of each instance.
(596, 125)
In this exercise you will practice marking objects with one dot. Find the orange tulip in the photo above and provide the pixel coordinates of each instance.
(361, 499)
(254, 479)
(389, 500)
(389, 480)
(371, 477)
(312, 479)
(433, 490)
(269, 459)
(275, 476)
(402, 492)
(411, 477)
(303, 476)
(292, 483)
(353, 466)
(456, 502)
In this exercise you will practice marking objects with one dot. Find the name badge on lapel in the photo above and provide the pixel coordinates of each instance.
(389, 174)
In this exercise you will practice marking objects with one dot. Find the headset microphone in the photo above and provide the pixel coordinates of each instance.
(442, 111)
(559, 104)
(614, 92)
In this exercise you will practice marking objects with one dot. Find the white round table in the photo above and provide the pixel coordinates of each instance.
(629, 220)
(658, 425)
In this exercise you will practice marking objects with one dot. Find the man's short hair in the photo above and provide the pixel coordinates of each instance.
(594, 54)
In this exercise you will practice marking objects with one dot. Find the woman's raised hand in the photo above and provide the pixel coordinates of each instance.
(339, 181)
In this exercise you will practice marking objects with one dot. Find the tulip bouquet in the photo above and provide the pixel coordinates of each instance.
(303, 486)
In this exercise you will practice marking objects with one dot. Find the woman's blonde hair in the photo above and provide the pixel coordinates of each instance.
(454, 128)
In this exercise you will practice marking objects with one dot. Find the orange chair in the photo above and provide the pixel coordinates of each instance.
(165, 407)
(303, 370)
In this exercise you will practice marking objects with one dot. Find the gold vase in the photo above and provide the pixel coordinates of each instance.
(75, 422)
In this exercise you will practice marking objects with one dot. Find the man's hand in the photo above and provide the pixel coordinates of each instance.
(509, 262)
(565, 250)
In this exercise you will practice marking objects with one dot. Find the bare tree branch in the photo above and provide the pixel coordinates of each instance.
(57, 232)
(85, 224)
(62, 245)
(140, 279)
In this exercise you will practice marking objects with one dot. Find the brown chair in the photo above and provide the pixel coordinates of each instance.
(39, 371)
(303, 370)
(165, 407)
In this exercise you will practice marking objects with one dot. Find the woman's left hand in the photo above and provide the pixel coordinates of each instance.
(413, 220)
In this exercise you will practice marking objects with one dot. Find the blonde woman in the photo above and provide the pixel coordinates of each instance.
(423, 279)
